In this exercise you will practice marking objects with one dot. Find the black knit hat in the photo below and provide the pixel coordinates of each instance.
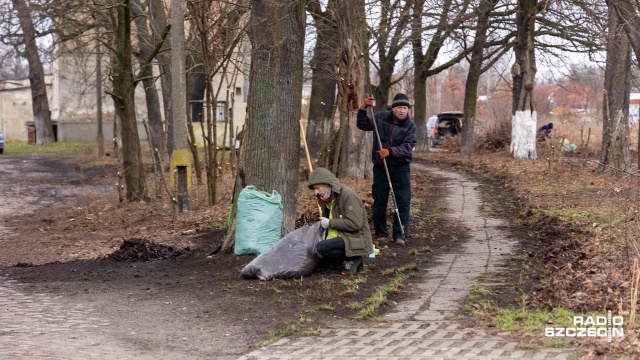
(400, 100)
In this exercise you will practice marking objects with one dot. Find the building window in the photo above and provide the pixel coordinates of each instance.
(197, 109)
(238, 91)
(220, 115)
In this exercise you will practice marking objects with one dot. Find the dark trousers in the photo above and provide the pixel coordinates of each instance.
(332, 252)
(401, 181)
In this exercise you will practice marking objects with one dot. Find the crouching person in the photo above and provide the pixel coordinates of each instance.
(348, 237)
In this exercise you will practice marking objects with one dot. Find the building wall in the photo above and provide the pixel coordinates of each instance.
(15, 107)
(72, 93)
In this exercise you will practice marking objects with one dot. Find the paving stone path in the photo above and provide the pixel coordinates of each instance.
(426, 327)
(40, 326)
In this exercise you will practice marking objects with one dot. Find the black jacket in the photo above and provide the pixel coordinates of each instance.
(398, 136)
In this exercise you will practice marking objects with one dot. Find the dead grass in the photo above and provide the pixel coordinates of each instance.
(581, 232)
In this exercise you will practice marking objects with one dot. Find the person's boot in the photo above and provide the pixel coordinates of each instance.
(351, 267)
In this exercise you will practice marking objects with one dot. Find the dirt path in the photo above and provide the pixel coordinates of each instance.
(429, 327)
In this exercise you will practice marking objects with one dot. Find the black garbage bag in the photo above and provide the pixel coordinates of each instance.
(292, 256)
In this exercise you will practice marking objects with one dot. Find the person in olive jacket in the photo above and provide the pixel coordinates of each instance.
(398, 137)
(348, 237)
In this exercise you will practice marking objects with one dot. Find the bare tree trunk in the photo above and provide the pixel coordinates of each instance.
(180, 163)
(123, 96)
(196, 84)
(449, 19)
(154, 114)
(39, 100)
(630, 19)
(473, 77)
(524, 115)
(270, 158)
(323, 79)
(351, 155)
(100, 136)
(159, 22)
(614, 153)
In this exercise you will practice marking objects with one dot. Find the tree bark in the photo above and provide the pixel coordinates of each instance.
(473, 77)
(159, 22)
(270, 157)
(354, 155)
(180, 162)
(614, 153)
(323, 79)
(154, 115)
(123, 96)
(100, 135)
(425, 60)
(523, 71)
(39, 100)
(630, 19)
(391, 39)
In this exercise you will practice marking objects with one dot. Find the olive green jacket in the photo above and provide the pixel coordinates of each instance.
(348, 215)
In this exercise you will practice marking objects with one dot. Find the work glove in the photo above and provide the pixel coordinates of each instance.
(367, 103)
(324, 222)
(383, 153)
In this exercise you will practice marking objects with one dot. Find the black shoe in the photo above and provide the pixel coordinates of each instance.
(351, 267)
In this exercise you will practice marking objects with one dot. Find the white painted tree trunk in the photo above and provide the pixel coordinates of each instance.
(523, 135)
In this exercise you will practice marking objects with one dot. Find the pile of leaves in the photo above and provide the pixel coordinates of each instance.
(144, 250)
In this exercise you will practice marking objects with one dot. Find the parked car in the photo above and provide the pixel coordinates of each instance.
(438, 126)
(1, 142)
(431, 126)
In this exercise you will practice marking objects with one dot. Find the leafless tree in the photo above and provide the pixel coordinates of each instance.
(271, 147)
(475, 70)
(146, 45)
(349, 151)
(25, 44)
(629, 17)
(217, 31)
(614, 154)
(390, 34)
(323, 67)
(433, 24)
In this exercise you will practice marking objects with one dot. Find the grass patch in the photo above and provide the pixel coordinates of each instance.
(327, 307)
(557, 343)
(20, 147)
(489, 276)
(416, 206)
(402, 269)
(478, 292)
(523, 346)
(512, 319)
(380, 297)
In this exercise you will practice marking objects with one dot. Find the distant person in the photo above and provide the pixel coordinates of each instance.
(545, 131)
(447, 129)
(398, 137)
(348, 237)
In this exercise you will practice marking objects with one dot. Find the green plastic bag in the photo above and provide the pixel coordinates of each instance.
(258, 220)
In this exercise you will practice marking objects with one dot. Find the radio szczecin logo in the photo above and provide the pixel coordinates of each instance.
(590, 326)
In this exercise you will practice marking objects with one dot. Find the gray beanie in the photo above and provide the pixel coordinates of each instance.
(400, 100)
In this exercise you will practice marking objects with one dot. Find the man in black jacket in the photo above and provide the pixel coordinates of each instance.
(398, 137)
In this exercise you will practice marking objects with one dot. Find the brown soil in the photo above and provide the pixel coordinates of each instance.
(579, 235)
(136, 267)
